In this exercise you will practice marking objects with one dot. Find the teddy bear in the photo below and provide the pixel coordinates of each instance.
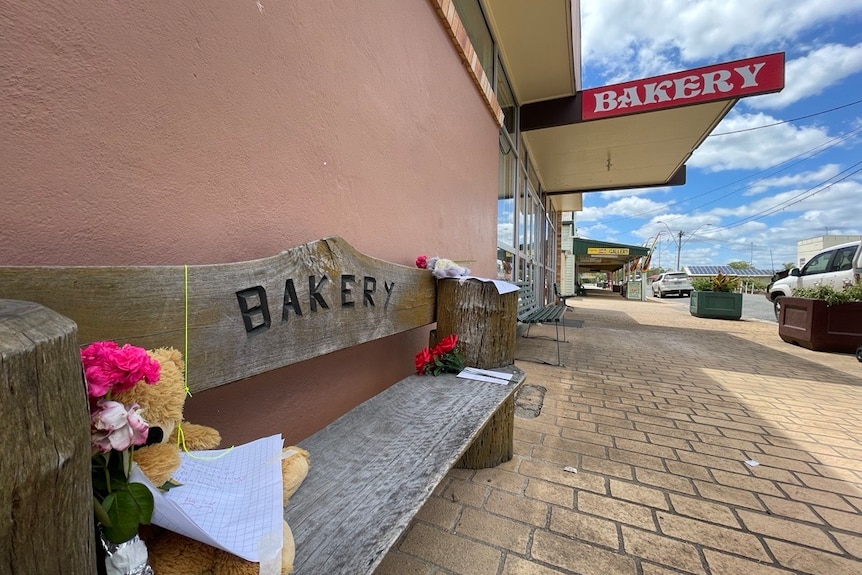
(162, 407)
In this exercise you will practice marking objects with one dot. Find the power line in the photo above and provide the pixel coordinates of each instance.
(787, 121)
(810, 192)
(773, 170)
(825, 146)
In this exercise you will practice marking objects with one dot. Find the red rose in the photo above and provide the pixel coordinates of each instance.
(422, 262)
(423, 358)
(446, 345)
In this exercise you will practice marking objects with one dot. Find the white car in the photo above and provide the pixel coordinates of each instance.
(677, 283)
(837, 266)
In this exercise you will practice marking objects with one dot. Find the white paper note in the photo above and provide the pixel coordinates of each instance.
(229, 498)
(479, 377)
(491, 373)
(503, 287)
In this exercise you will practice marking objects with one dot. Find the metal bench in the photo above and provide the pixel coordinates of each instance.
(530, 312)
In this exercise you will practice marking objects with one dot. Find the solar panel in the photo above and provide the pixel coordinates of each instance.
(727, 270)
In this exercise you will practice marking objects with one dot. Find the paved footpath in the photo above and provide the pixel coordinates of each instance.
(658, 412)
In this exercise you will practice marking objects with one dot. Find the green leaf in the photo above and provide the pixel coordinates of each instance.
(127, 509)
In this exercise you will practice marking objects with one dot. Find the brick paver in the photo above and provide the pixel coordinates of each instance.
(660, 413)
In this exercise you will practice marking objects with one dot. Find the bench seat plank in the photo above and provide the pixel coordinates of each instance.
(374, 467)
(551, 312)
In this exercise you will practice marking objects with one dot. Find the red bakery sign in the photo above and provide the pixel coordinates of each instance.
(749, 77)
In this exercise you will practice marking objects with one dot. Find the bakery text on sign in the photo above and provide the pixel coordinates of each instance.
(254, 304)
(748, 77)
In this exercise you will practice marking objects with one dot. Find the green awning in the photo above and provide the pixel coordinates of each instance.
(596, 256)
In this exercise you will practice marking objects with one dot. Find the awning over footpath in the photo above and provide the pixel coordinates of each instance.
(596, 256)
(639, 133)
(634, 134)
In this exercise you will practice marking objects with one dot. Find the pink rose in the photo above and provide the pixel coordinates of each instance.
(99, 380)
(108, 367)
(133, 364)
(99, 351)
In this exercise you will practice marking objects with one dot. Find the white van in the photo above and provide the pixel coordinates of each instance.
(837, 266)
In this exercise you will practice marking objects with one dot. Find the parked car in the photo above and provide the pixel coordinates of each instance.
(836, 266)
(677, 283)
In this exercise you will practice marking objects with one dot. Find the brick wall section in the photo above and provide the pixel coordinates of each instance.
(452, 23)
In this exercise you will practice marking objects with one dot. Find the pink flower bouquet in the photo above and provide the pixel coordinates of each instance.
(115, 430)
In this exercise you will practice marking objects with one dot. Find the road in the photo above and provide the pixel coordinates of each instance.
(754, 306)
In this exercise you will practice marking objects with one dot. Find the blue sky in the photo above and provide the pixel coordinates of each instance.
(760, 189)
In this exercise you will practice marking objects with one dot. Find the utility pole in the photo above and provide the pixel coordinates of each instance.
(678, 250)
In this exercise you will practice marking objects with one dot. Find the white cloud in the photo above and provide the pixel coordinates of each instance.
(824, 173)
(783, 220)
(626, 207)
(633, 192)
(756, 149)
(636, 39)
(812, 74)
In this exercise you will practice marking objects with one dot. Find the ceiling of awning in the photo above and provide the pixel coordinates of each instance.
(598, 256)
(540, 43)
(641, 150)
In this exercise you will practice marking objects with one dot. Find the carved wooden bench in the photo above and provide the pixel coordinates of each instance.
(371, 469)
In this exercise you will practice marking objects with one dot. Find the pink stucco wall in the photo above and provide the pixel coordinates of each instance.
(199, 132)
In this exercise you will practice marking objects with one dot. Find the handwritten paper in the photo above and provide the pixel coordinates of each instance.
(228, 498)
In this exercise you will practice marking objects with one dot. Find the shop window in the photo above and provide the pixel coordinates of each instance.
(474, 23)
(506, 195)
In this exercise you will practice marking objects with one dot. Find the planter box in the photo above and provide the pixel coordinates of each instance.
(812, 324)
(716, 304)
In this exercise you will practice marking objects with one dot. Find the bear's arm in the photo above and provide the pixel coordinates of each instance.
(198, 436)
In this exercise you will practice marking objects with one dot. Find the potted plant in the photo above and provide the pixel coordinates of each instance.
(716, 297)
(823, 318)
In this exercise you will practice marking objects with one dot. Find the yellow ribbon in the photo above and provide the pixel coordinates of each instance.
(181, 436)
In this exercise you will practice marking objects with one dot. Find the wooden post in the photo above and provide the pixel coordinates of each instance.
(495, 444)
(46, 510)
(484, 320)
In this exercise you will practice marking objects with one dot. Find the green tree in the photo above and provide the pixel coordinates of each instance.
(789, 265)
(740, 265)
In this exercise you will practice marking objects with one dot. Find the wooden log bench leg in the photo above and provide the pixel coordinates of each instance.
(495, 444)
